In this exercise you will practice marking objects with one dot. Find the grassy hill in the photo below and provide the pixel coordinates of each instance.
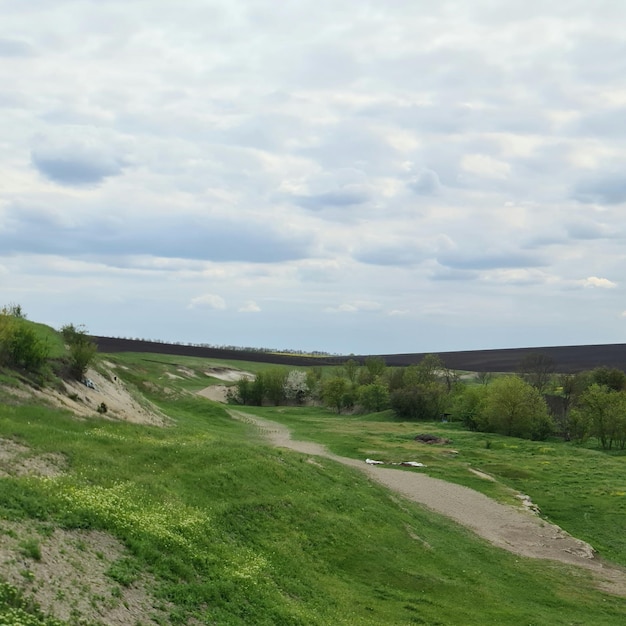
(201, 522)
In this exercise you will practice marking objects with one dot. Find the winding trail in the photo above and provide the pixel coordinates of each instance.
(514, 529)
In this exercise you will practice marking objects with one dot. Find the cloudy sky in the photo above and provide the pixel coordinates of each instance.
(353, 177)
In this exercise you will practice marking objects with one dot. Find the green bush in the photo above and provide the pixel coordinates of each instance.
(515, 408)
(82, 349)
(20, 345)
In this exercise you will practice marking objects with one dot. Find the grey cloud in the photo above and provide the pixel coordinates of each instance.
(326, 66)
(589, 230)
(349, 144)
(340, 198)
(185, 237)
(15, 48)
(344, 187)
(499, 260)
(400, 254)
(446, 274)
(607, 189)
(425, 183)
(602, 123)
(76, 164)
(599, 58)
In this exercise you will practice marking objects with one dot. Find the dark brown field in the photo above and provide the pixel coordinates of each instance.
(567, 358)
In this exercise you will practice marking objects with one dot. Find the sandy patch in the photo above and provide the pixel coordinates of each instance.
(173, 376)
(512, 528)
(228, 374)
(18, 460)
(481, 474)
(217, 393)
(68, 578)
(83, 401)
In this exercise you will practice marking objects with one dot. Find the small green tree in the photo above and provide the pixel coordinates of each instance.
(484, 378)
(82, 349)
(13, 310)
(612, 378)
(374, 368)
(20, 346)
(374, 397)
(603, 411)
(515, 408)
(537, 369)
(275, 384)
(334, 392)
(243, 391)
(467, 406)
(351, 370)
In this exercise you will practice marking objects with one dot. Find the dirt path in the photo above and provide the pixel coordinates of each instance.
(513, 529)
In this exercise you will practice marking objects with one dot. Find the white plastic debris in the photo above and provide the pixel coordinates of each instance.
(372, 462)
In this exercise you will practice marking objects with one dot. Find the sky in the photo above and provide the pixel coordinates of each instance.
(362, 177)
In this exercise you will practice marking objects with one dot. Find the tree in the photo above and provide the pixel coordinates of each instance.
(274, 380)
(394, 377)
(484, 378)
(374, 397)
(13, 310)
(334, 392)
(515, 408)
(20, 345)
(603, 412)
(424, 402)
(374, 368)
(569, 389)
(314, 380)
(612, 378)
(351, 369)
(468, 405)
(82, 349)
(425, 372)
(295, 387)
(536, 369)
(243, 392)
(257, 390)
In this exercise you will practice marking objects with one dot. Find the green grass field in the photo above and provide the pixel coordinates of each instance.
(236, 532)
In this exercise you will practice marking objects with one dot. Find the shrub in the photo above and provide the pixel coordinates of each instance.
(423, 402)
(20, 346)
(515, 408)
(374, 397)
(82, 349)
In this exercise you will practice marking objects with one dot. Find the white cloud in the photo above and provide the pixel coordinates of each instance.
(291, 157)
(484, 165)
(207, 301)
(250, 307)
(594, 281)
(355, 307)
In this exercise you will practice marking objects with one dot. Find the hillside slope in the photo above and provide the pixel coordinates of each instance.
(201, 522)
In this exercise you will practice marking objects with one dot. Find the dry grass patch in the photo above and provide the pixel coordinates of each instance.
(19, 460)
(65, 572)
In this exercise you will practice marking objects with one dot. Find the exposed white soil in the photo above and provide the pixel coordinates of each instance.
(18, 460)
(228, 374)
(84, 401)
(515, 529)
(69, 579)
(219, 393)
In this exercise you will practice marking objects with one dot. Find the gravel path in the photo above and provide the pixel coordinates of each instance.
(511, 528)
